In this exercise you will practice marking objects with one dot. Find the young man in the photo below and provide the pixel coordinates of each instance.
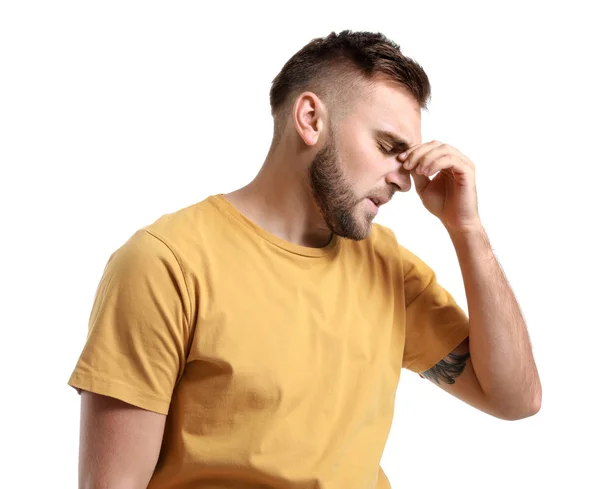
(256, 339)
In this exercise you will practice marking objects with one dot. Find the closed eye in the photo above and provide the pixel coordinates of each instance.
(388, 151)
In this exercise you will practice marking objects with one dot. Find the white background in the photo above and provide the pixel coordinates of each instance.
(114, 113)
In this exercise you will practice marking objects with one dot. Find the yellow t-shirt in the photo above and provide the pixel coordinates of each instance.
(277, 364)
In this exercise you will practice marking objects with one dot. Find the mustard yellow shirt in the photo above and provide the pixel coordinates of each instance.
(276, 364)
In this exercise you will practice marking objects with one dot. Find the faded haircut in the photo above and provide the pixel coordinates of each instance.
(339, 68)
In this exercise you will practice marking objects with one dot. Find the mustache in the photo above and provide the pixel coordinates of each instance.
(385, 194)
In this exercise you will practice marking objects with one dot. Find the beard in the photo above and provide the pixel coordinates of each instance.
(334, 196)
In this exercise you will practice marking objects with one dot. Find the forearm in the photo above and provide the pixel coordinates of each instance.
(500, 347)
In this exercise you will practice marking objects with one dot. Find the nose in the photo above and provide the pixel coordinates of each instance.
(399, 178)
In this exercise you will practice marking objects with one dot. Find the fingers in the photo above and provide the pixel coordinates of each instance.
(421, 182)
(412, 157)
(429, 158)
(435, 160)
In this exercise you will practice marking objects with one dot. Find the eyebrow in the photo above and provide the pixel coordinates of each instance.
(398, 144)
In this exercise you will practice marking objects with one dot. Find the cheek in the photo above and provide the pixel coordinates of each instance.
(363, 169)
(361, 161)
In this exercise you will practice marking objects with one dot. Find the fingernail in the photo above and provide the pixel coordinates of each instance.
(403, 155)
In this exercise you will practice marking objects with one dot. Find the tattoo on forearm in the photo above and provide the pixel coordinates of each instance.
(447, 369)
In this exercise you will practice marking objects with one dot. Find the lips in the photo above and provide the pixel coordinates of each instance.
(373, 204)
(378, 201)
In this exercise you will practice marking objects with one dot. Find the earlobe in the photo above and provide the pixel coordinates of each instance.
(308, 118)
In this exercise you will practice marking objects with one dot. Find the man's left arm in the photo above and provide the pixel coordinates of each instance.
(493, 369)
(499, 345)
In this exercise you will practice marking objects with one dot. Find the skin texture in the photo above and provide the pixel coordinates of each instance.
(505, 380)
(317, 179)
(334, 170)
(334, 195)
(119, 443)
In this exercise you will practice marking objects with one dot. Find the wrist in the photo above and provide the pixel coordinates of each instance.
(466, 231)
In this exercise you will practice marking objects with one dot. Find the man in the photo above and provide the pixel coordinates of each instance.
(256, 339)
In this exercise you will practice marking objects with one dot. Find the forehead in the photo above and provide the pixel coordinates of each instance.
(390, 107)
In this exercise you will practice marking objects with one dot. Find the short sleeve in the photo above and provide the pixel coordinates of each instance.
(138, 330)
(435, 323)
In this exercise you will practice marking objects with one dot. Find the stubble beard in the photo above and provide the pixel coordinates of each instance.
(334, 196)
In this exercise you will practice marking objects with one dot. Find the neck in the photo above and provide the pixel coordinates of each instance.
(280, 200)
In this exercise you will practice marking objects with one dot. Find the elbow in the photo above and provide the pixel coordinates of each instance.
(521, 414)
(537, 405)
(526, 410)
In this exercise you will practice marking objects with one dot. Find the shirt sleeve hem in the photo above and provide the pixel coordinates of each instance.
(450, 342)
(122, 392)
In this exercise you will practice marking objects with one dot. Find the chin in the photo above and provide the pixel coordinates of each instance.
(360, 230)
(355, 225)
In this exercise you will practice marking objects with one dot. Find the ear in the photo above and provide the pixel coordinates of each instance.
(310, 117)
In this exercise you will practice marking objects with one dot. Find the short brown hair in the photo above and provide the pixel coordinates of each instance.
(330, 67)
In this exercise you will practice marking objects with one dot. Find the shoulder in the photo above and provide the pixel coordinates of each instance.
(166, 242)
(384, 239)
(186, 221)
(193, 231)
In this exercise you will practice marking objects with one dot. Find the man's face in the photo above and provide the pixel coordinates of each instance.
(355, 172)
